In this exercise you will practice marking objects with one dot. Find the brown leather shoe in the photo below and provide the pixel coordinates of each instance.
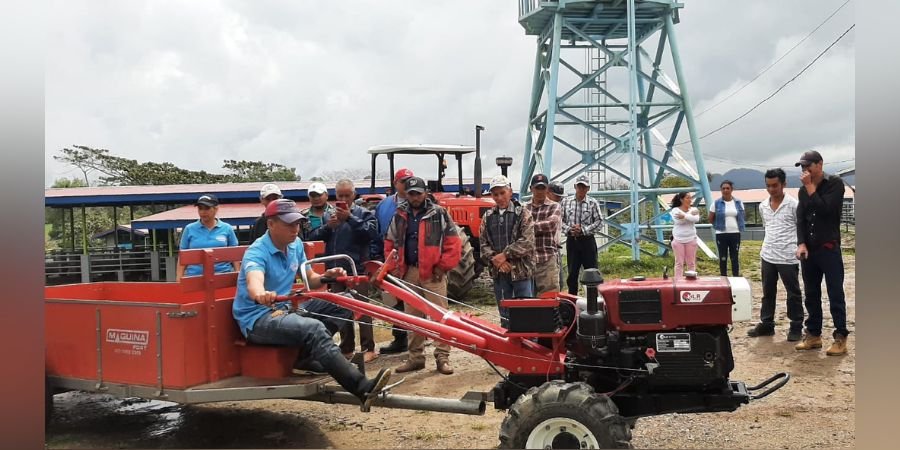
(370, 356)
(838, 347)
(410, 366)
(809, 342)
(443, 366)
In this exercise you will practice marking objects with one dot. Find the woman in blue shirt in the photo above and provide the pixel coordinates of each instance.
(727, 218)
(207, 232)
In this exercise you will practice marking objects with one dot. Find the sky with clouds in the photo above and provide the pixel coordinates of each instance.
(313, 84)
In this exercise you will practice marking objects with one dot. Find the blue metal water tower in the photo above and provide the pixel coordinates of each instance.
(602, 98)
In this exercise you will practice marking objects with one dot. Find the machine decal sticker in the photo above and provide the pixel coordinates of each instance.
(137, 339)
(673, 342)
(693, 296)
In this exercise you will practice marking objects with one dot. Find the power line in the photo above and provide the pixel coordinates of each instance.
(769, 166)
(777, 90)
(776, 61)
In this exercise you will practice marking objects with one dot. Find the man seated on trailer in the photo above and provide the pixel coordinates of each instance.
(268, 269)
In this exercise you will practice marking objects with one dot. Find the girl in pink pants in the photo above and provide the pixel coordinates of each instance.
(684, 233)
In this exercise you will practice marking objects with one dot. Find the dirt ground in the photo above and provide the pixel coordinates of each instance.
(816, 409)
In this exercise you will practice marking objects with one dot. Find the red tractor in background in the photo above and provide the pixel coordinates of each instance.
(466, 206)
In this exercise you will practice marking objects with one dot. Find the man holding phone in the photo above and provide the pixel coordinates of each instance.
(349, 229)
(819, 211)
(319, 207)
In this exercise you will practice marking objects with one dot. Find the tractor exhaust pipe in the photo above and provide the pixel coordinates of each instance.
(591, 278)
(388, 400)
(477, 172)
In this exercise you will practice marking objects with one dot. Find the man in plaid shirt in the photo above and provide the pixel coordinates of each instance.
(507, 246)
(547, 217)
(581, 218)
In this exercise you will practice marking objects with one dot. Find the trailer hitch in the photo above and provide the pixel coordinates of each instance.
(783, 376)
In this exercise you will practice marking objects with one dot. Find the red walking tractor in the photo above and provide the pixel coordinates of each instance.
(577, 372)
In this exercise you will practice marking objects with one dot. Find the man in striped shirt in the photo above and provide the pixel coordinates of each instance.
(547, 217)
(557, 192)
(581, 217)
(778, 258)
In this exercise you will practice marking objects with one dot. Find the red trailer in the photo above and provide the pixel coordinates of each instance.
(178, 342)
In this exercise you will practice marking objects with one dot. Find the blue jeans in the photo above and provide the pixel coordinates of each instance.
(313, 333)
(830, 265)
(505, 287)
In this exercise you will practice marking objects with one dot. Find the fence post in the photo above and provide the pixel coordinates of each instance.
(171, 264)
(154, 265)
(85, 268)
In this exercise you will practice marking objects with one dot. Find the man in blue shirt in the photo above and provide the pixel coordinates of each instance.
(269, 269)
(207, 232)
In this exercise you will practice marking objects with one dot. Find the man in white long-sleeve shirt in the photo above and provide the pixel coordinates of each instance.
(778, 258)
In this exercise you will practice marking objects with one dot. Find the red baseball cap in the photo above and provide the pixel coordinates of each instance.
(403, 174)
(285, 209)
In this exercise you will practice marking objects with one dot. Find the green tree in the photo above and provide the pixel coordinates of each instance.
(116, 170)
(56, 217)
(671, 181)
(246, 171)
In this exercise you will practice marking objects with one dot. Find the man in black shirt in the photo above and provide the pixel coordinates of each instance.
(821, 201)
(268, 193)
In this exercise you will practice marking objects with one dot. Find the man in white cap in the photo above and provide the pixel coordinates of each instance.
(581, 217)
(507, 245)
(319, 208)
(268, 193)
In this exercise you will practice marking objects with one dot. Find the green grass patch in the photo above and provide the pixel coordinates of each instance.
(615, 262)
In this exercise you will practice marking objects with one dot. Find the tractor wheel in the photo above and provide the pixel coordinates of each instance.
(558, 414)
(462, 277)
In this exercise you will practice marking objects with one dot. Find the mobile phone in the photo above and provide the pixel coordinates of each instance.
(341, 205)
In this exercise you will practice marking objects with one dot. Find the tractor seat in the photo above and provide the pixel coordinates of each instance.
(266, 361)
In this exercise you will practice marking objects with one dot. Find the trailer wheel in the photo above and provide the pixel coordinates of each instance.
(558, 414)
(461, 279)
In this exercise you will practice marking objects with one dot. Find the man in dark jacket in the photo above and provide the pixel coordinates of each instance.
(385, 211)
(349, 229)
(267, 194)
(821, 200)
(428, 246)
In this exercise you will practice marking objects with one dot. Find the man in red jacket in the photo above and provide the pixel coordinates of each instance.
(428, 246)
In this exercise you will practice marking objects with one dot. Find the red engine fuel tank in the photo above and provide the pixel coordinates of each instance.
(638, 304)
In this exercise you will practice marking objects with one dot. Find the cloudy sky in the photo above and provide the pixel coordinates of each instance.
(313, 84)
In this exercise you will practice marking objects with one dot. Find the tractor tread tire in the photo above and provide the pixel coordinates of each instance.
(576, 401)
(461, 279)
